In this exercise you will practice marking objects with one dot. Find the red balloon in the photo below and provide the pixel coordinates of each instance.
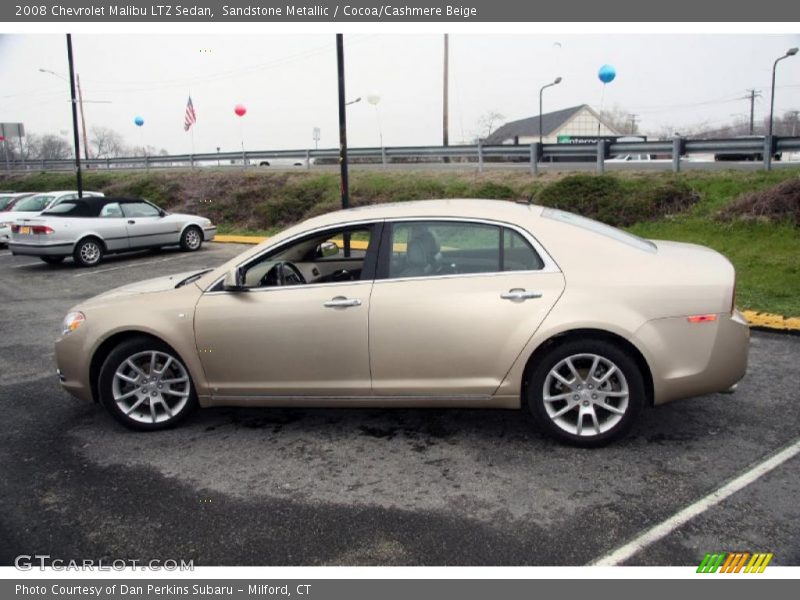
(240, 110)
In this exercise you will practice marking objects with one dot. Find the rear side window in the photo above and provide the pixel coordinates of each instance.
(600, 228)
(436, 248)
(70, 208)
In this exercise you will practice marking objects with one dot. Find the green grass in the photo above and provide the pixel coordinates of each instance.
(766, 257)
(656, 205)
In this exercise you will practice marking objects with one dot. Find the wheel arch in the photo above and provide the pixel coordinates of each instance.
(595, 334)
(87, 236)
(107, 346)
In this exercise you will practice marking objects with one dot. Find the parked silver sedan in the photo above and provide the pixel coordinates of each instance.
(86, 229)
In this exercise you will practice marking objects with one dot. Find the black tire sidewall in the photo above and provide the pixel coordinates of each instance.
(76, 254)
(609, 350)
(184, 245)
(106, 377)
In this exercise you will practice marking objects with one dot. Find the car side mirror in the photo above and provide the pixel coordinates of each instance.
(234, 280)
(326, 249)
(162, 212)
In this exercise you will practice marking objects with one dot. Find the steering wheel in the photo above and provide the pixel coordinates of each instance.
(283, 273)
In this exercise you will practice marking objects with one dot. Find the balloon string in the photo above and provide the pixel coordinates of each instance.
(600, 114)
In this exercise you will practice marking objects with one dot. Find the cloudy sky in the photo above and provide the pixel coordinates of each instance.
(288, 83)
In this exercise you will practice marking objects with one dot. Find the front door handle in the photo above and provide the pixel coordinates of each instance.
(519, 295)
(131, 222)
(342, 302)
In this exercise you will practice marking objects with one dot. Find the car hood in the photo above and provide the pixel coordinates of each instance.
(148, 286)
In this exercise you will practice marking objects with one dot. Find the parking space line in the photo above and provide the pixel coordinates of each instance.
(663, 529)
(130, 265)
(29, 264)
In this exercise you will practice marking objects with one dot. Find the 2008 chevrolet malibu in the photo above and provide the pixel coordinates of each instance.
(441, 303)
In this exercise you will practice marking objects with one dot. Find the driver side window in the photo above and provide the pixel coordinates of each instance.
(331, 256)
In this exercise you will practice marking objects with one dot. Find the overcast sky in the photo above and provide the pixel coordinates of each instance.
(288, 83)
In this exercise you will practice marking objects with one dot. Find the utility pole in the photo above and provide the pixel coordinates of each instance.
(632, 118)
(753, 95)
(74, 117)
(83, 119)
(445, 108)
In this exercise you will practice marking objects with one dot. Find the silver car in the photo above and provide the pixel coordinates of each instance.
(86, 229)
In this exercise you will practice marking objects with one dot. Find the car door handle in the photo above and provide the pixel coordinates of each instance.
(519, 294)
(131, 222)
(342, 302)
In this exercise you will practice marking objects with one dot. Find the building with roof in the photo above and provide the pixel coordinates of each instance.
(579, 122)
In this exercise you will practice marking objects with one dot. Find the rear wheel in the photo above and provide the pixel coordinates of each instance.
(88, 252)
(145, 385)
(191, 239)
(52, 260)
(586, 392)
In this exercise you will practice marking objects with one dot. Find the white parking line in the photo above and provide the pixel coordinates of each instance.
(29, 264)
(5, 253)
(130, 265)
(660, 531)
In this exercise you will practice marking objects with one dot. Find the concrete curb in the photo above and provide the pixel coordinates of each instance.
(760, 320)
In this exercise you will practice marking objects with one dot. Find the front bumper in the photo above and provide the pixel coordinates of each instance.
(209, 233)
(692, 359)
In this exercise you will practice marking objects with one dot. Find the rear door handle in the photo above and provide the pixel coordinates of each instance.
(342, 302)
(131, 222)
(519, 295)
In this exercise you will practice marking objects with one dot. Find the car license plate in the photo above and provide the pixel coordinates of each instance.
(24, 230)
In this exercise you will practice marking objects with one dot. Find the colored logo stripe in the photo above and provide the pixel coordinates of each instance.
(734, 562)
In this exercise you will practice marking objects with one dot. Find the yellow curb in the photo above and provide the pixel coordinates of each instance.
(770, 321)
(754, 318)
(239, 239)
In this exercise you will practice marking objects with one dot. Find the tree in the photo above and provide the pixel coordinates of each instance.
(486, 124)
(53, 147)
(620, 119)
(107, 143)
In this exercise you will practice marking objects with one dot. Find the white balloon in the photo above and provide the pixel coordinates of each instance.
(373, 99)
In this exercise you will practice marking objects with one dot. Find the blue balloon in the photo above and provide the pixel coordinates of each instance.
(607, 73)
(139, 121)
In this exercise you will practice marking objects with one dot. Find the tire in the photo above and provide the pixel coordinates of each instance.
(191, 239)
(138, 397)
(88, 252)
(591, 388)
(53, 260)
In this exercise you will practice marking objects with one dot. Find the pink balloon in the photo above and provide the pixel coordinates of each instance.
(240, 110)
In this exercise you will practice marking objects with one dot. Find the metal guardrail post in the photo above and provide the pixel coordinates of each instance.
(146, 162)
(308, 160)
(244, 159)
(383, 155)
(536, 153)
(480, 157)
(768, 150)
(677, 145)
(601, 156)
(191, 161)
(108, 163)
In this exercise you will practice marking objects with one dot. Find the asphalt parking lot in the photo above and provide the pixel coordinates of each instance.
(387, 487)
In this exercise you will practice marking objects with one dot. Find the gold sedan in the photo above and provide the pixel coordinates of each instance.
(441, 303)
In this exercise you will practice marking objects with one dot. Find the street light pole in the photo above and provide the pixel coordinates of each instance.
(74, 117)
(556, 81)
(342, 123)
(768, 157)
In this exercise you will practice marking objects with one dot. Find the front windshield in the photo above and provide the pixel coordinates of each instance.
(33, 204)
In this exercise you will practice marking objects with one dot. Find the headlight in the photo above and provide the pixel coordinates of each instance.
(206, 223)
(72, 321)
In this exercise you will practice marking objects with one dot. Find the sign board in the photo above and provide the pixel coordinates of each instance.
(586, 139)
(12, 130)
(315, 134)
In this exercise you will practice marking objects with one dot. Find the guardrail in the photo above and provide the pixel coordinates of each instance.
(763, 149)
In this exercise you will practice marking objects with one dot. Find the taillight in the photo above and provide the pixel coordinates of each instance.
(701, 318)
(15, 229)
(42, 229)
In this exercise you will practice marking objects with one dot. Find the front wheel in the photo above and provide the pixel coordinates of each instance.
(191, 239)
(586, 392)
(145, 385)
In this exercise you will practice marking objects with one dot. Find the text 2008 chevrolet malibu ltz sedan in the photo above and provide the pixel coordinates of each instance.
(444, 303)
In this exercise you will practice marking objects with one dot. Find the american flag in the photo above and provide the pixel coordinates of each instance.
(190, 118)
